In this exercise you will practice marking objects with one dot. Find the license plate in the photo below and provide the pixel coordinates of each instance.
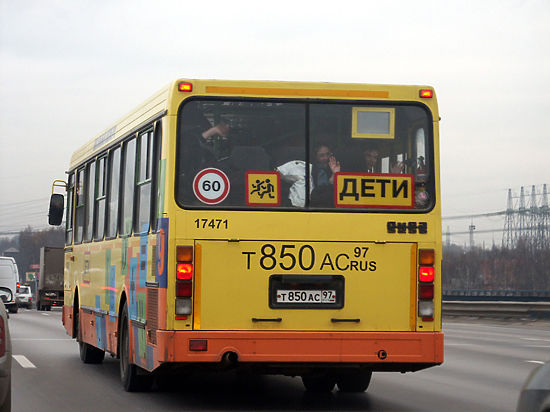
(306, 296)
(306, 291)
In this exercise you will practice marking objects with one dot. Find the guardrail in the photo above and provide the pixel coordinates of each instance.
(509, 310)
(510, 295)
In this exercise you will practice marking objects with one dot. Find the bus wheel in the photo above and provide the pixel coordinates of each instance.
(318, 383)
(134, 378)
(88, 353)
(357, 381)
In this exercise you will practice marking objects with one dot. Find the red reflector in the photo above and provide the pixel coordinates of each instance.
(198, 345)
(184, 271)
(185, 87)
(184, 289)
(181, 317)
(426, 93)
(426, 274)
(428, 319)
(426, 292)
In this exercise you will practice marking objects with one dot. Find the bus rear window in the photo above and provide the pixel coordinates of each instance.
(236, 154)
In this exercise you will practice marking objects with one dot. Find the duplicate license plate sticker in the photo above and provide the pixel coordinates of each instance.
(306, 296)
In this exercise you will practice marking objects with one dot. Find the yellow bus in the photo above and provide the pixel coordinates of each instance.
(284, 227)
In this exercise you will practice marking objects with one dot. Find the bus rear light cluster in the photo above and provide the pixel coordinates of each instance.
(184, 281)
(426, 277)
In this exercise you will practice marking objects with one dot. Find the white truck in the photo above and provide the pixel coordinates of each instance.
(9, 277)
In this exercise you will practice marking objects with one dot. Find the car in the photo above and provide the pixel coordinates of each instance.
(9, 276)
(535, 395)
(24, 297)
(5, 352)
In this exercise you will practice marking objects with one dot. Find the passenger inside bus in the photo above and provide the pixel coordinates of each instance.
(371, 162)
(324, 167)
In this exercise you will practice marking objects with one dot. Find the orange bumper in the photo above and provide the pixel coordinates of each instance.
(304, 347)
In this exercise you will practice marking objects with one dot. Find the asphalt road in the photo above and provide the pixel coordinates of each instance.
(485, 366)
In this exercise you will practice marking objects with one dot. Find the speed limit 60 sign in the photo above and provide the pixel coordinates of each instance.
(211, 186)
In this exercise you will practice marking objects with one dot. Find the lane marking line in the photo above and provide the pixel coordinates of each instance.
(45, 314)
(536, 346)
(536, 339)
(535, 361)
(460, 344)
(23, 361)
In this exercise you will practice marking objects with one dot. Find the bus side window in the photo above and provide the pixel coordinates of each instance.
(100, 198)
(113, 193)
(156, 185)
(128, 185)
(69, 214)
(143, 181)
(80, 206)
(90, 194)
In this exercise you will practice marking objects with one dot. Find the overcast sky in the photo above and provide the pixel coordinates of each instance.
(68, 69)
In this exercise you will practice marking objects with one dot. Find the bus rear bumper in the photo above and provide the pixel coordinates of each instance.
(303, 347)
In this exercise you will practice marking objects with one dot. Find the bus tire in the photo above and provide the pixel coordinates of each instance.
(357, 381)
(88, 353)
(318, 383)
(134, 378)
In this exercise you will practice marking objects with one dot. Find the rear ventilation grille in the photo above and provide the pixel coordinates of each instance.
(152, 322)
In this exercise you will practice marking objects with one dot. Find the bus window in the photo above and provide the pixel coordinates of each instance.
(90, 194)
(144, 170)
(69, 214)
(101, 195)
(128, 181)
(114, 184)
(156, 188)
(241, 154)
(356, 155)
(79, 209)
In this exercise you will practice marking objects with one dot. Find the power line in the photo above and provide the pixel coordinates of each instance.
(458, 217)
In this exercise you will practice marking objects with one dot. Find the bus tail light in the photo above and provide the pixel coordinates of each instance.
(184, 271)
(184, 289)
(426, 292)
(184, 281)
(427, 257)
(426, 274)
(426, 277)
(426, 309)
(183, 306)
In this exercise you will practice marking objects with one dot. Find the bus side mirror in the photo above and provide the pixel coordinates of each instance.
(55, 215)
